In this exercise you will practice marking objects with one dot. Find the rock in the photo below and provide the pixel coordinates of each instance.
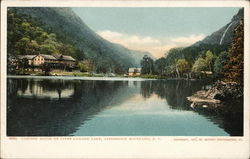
(221, 92)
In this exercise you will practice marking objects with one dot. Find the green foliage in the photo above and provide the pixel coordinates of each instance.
(171, 70)
(220, 62)
(160, 66)
(46, 69)
(183, 66)
(147, 65)
(104, 66)
(235, 66)
(26, 36)
(210, 58)
(168, 66)
(23, 64)
(199, 65)
(85, 66)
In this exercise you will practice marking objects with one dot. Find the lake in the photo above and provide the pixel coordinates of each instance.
(74, 106)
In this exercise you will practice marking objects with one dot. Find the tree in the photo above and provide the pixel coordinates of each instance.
(22, 46)
(210, 58)
(27, 36)
(46, 69)
(23, 64)
(85, 66)
(235, 65)
(182, 66)
(170, 70)
(220, 62)
(147, 65)
(160, 66)
(199, 65)
(103, 66)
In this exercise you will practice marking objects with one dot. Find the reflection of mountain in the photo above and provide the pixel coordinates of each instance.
(176, 92)
(32, 116)
(36, 114)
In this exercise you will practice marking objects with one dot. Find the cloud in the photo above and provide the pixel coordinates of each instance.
(157, 47)
(188, 39)
(159, 51)
(127, 40)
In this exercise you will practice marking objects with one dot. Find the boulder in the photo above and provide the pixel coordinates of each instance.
(217, 95)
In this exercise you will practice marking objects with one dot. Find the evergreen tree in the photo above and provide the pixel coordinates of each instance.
(220, 62)
(147, 65)
(235, 65)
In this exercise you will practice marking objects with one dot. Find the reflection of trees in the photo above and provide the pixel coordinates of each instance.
(146, 89)
(57, 117)
(232, 122)
(33, 116)
(175, 92)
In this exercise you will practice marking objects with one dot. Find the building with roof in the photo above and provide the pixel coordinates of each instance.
(134, 71)
(57, 61)
(40, 59)
(28, 57)
(67, 60)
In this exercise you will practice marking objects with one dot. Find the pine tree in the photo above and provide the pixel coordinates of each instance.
(235, 66)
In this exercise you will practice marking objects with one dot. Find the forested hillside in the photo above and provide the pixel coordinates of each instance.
(33, 30)
(209, 57)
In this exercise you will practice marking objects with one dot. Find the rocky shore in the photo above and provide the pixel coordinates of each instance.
(226, 96)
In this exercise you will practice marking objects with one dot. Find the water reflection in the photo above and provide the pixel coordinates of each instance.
(175, 93)
(35, 114)
(54, 107)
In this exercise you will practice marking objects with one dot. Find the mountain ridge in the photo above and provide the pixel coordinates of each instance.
(224, 35)
(65, 22)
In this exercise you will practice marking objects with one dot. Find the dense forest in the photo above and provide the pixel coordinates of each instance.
(29, 35)
(26, 36)
(218, 56)
(185, 62)
(206, 60)
(34, 30)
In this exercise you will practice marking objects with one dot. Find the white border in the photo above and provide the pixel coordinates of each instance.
(164, 148)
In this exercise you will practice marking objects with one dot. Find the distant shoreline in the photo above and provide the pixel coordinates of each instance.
(81, 78)
(104, 78)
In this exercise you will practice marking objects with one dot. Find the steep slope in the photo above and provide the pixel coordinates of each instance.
(65, 23)
(223, 36)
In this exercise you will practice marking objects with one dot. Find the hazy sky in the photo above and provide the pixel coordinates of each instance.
(155, 29)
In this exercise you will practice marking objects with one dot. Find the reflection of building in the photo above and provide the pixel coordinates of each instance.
(134, 71)
(39, 90)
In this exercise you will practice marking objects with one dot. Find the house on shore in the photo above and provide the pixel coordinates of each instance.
(134, 71)
(40, 59)
(28, 57)
(57, 61)
(66, 60)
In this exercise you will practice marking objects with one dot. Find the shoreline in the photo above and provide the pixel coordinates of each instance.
(220, 97)
(81, 78)
(117, 78)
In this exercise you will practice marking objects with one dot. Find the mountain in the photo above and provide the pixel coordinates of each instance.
(70, 27)
(224, 35)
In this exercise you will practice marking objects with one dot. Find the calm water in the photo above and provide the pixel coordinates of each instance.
(63, 107)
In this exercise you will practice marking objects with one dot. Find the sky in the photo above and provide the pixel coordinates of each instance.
(155, 30)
